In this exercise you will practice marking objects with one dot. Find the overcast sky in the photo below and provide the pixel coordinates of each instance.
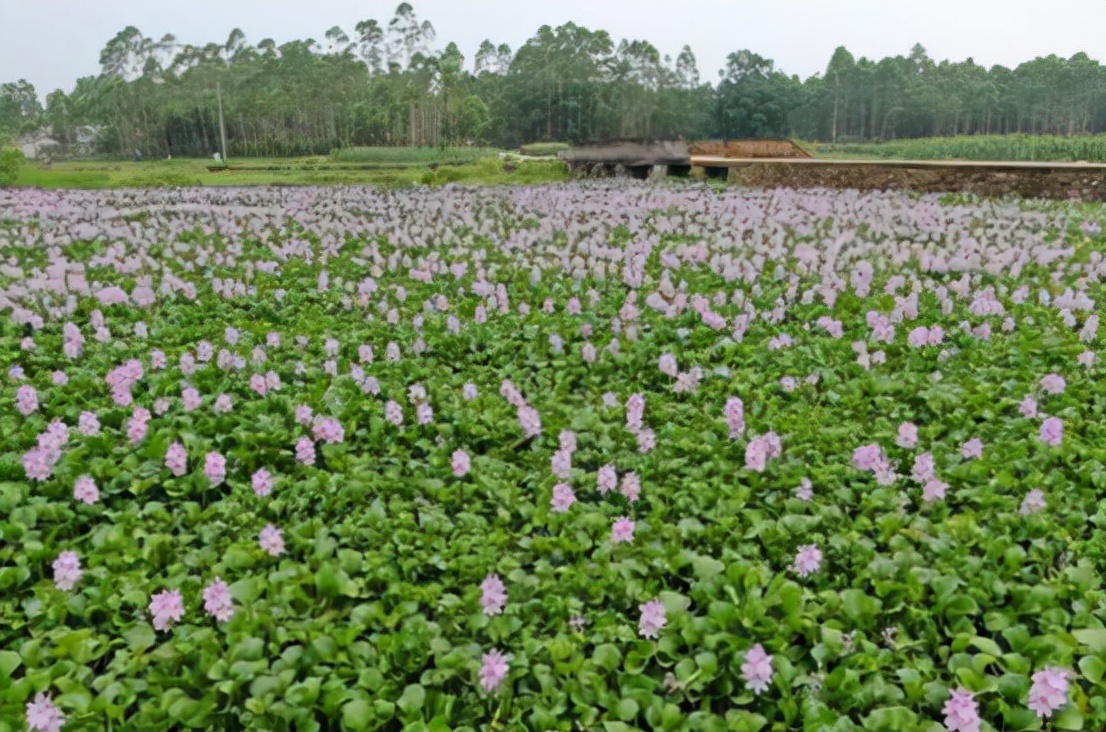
(52, 42)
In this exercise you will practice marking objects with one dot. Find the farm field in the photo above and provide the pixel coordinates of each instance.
(1038, 148)
(393, 167)
(601, 456)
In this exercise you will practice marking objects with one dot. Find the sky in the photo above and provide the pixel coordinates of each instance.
(53, 42)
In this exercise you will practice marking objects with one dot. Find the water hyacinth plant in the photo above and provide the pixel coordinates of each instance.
(589, 456)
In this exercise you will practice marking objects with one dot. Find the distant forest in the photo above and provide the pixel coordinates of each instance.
(380, 83)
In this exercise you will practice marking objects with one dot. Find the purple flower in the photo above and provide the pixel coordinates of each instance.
(460, 463)
(808, 559)
(622, 531)
(563, 497)
(631, 487)
(167, 608)
(1053, 384)
(1052, 432)
(607, 479)
(176, 459)
(757, 669)
(271, 541)
(262, 482)
(1049, 691)
(908, 435)
(1033, 502)
(805, 491)
(217, 601)
(329, 431)
(493, 595)
(215, 468)
(493, 670)
(561, 464)
(85, 490)
(735, 416)
(43, 716)
(934, 490)
(67, 571)
(972, 449)
(652, 619)
(305, 451)
(961, 712)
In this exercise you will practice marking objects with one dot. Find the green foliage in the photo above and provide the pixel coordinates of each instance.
(11, 160)
(412, 155)
(1087, 148)
(543, 148)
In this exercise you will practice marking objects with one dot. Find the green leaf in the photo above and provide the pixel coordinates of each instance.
(412, 699)
(9, 662)
(1069, 718)
(356, 715)
(891, 719)
(626, 709)
(1093, 668)
(140, 636)
(1093, 638)
(674, 603)
(607, 656)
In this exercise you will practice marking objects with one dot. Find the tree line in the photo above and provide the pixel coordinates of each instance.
(382, 84)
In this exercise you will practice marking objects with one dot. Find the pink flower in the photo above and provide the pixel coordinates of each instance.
(567, 441)
(635, 410)
(646, 441)
(808, 559)
(190, 398)
(157, 360)
(530, 420)
(1053, 384)
(607, 479)
(43, 716)
(563, 497)
(667, 365)
(805, 491)
(973, 448)
(1049, 691)
(271, 541)
(652, 619)
(918, 337)
(961, 712)
(59, 378)
(67, 571)
(631, 487)
(166, 607)
(88, 424)
(1087, 358)
(176, 459)
(757, 669)
(1028, 407)
(424, 414)
(561, 464)
(304, 415)
(305, 451)
(161, 406)
(272, 381)
(735, 416)
(1033, 502)
(622, 531)
(1052, 432)
(908, 435)
(493, 595)
(215, 468)
(26, 400)
(393, 413)
(224, 404)
(924, 469)
(137, 426)
(459, 461)
(756, 455)
(262, 482)
(493, 670)
(257, 383)
(217, 601)
(934, 490)
(85, 490)
(330, 431)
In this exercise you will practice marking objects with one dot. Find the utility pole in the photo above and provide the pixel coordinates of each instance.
(222, 126)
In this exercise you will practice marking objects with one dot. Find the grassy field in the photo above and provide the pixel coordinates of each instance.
(1089, 148)
(283, 171)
